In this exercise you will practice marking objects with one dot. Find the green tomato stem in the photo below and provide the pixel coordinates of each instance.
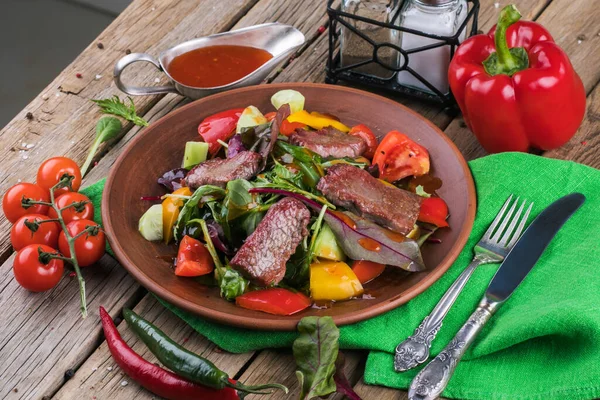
(71, 242)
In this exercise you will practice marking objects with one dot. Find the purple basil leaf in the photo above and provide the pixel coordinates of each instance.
(235, 145)
(393, 249)
(172, 179)
(341, 382)
(217, 236)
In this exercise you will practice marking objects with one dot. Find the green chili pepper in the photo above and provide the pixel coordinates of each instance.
(185, 363)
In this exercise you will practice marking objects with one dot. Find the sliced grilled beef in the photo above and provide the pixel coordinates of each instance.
(219, 171)
(263, 255)
(329, 142)
(355, 189)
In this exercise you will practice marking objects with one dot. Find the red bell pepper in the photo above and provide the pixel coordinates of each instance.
(434, 210)
(366, 271)
(287, 127)
(220, 126)
(516, 88)
(193, 258)
(276, 301)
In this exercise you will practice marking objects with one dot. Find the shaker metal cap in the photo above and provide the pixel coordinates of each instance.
(434, 2)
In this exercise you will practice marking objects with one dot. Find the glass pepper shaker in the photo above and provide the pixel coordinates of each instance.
(355, 49)
(437, 17)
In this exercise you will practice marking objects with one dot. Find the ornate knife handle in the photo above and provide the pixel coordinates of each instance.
(415, 349)
(433, 379)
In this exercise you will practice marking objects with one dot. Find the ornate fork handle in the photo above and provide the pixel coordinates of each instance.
(415, 349)
(433, 379)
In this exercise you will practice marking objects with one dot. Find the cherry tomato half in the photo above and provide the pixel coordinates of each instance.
(367, 135)
(220, 126)
(11, 202)
(193, 258)
(32, 273)
(71, 213)
(46, 233)
(398, 157)
(88, 248)
(270, 116)
(53, 169)
(278, 301)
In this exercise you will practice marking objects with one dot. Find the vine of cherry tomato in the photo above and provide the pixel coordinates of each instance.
(36, 235)
(88, 248)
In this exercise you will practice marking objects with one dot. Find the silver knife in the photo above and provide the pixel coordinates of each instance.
(431, 381)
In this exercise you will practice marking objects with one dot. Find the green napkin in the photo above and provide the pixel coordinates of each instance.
(544, 343)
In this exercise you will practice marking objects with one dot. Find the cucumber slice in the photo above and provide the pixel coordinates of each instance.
(195, 153)
(288, 96)
(151, 223)
(251, 116)
(327, 246)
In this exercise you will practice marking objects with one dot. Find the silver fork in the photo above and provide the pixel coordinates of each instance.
(492, 248)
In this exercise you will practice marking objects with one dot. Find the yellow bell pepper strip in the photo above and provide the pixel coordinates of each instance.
(171, 206)
(316, 121)
(333, 281)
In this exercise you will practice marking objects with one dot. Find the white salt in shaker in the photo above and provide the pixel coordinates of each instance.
(437, 17)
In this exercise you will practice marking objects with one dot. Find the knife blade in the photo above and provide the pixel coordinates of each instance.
(431, 381)
(530, 247)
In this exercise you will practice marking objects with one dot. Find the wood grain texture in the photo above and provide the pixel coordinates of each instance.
(100, 378)
(63, 117)
(584, 147)
(42, 335)
(279, 366)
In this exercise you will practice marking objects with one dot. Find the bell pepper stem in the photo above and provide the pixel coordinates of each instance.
(505, 60)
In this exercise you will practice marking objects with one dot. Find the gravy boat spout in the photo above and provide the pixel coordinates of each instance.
(278, 39)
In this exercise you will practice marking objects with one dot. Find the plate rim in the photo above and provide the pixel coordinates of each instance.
(249, 322)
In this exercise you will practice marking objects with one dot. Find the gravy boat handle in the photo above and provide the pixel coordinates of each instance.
(139, 90)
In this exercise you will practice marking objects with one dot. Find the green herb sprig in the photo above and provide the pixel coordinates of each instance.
(107, 128)
(116, 106)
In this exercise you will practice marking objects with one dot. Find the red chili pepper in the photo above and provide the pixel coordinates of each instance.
(152, 377)
(276, 301)
(516, 88)
(434, 210)
(193, 258)
(287, 127)
(220, 126)
(363, 132)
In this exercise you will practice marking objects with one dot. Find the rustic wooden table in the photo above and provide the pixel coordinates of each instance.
(46, 349)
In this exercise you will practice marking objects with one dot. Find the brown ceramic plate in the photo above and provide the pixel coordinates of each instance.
(160, 147)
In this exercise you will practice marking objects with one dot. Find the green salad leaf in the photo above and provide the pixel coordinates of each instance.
(316, 350)
(190, 210)
(116, 106)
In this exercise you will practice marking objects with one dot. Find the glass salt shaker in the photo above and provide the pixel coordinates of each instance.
(437, 17)
(355, 49)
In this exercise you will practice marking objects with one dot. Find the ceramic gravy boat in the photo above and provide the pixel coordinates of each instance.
(278, 39)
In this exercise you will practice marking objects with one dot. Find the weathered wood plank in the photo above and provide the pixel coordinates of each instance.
(42, 336)
(585, 146)
(574, 27)
(100, 378)
(64, 118)
(279, 366)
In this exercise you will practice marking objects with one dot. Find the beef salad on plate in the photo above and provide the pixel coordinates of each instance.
(292, 209)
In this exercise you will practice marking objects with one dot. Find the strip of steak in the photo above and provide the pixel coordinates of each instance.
(263, 255)
(355, 189)
(219, 171)
(329, 142)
